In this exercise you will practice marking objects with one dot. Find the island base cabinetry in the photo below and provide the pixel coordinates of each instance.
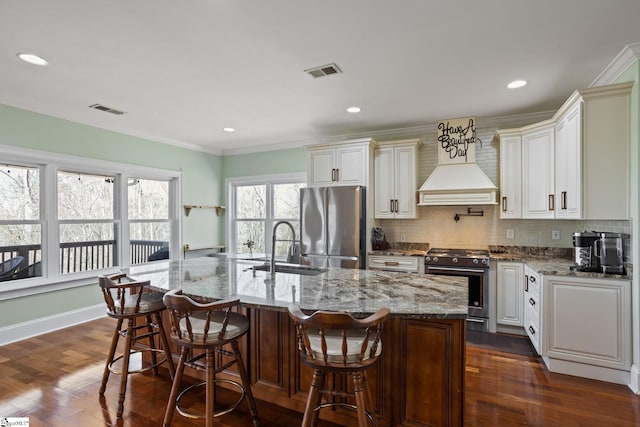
(418, 381)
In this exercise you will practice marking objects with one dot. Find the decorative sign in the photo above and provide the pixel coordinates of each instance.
(456, 139)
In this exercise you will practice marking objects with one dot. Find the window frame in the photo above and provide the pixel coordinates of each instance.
(269, 181)
(49, 164)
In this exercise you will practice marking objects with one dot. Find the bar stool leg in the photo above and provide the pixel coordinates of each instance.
(361, 403)
(165, 345)
(112, 352)
(210, 386)
(125, 366)
(175, 387)
(314, 396)
(315, 415)
(152, 344)
(246, 382)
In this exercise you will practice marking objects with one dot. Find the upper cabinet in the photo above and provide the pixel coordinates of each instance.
(573, 166)
(344, 163)
(395, 179)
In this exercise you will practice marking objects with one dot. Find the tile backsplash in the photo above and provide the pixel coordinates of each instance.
(436, 225)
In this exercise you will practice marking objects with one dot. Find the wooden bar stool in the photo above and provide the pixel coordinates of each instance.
(128, 299)
(331, 342)
(207, 327)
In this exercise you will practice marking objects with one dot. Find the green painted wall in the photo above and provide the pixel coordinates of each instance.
(265, 163)
(201, 179)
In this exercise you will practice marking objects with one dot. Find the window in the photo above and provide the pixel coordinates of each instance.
(149, 221)
(20, 224)
(256, 204)
(63, 222)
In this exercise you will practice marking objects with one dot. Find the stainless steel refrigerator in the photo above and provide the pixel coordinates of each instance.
(332, 227)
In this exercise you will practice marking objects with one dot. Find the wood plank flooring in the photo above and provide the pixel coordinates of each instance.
(54, 379)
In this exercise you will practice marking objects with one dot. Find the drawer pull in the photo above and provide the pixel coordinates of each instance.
(391, 263)
(532, 301)
(532, 279)
(533, 331)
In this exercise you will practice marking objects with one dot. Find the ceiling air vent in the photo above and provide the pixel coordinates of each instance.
(325, 70)
(107, 109)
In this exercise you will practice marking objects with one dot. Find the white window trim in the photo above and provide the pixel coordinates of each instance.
(231, 183)
(50, 163)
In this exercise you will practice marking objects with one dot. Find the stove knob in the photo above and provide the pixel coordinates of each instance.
(435, 259)
(427, 258)
(475, 260)
(455, 260)
(485, 261)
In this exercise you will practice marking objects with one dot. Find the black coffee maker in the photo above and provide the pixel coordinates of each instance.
(586, 249)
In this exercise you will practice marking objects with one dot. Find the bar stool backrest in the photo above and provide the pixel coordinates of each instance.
(126, 297)
(195, 324)
(338, 340)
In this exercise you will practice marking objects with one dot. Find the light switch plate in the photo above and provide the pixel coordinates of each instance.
(510, 233)
(555, 234)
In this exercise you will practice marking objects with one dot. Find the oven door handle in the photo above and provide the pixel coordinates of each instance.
(454, 270)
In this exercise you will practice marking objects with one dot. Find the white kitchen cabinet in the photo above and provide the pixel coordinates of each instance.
(509, 293)
(587, 321)
(574, 165)
(344, 163)
(511, 177)
(538, 199)
(568, 167)
(406, 264)
(532, 307)
(395, 179)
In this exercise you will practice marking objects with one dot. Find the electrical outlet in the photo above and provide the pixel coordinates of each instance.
(510, 233)
(403, 238)
(555, 234)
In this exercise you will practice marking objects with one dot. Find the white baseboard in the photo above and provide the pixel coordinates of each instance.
(32, 328)
(634, 379)
(587, 371)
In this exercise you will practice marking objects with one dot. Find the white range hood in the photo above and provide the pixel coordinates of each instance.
(457, 180)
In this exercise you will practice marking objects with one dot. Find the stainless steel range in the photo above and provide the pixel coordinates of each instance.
(472, 264)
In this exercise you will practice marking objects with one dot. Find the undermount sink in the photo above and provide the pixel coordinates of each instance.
(292, 269)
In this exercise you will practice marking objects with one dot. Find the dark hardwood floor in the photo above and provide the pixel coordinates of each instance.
(53, 380)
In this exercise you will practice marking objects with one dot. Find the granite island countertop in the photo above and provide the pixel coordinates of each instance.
(354, 291)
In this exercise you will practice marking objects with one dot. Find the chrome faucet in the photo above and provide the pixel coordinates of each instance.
(273, 244)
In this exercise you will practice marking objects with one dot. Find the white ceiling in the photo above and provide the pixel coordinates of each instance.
(184, 69)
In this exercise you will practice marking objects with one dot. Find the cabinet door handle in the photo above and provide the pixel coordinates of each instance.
(397, 206)
(533, 331)
(504, 203)
(391, 205)
(552, 202)
(526, 283)
(333, 175)
(337, 174)
(532, 301)
(532, 279)
(563, 200)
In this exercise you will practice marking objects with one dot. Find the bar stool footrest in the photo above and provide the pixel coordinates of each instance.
(347, 405)
(116, 368)
(221, 412)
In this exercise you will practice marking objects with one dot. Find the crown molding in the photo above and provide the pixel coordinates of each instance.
(629, 54)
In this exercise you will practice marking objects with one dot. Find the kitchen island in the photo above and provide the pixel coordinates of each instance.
(419, 380)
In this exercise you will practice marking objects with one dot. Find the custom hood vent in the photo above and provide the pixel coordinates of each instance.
(457, 180)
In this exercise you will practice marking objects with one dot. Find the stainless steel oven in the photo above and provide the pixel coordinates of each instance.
(472, 264)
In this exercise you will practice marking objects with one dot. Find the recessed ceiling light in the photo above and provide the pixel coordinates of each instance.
(229, 129)
(32, 58)
(354, 109)
(516, 84)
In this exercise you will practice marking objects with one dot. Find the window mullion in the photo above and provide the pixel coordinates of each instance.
(121, 215)
(50, 226)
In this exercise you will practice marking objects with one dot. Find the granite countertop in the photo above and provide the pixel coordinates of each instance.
(403, 249)
(354, 291)
(547, 261)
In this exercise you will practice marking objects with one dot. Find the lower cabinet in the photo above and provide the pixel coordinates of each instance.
(532, 307)
(588, 322)
(418, 381)
(509, 294)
